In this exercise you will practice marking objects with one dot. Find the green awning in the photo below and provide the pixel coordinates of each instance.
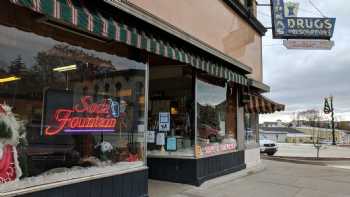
(75, 13)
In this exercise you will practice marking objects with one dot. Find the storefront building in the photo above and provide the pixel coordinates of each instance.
(97, 96)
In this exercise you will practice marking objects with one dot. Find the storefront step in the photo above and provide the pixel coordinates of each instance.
(195, 171)
(133, 184)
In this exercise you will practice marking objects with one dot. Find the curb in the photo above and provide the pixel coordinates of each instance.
(305, 160)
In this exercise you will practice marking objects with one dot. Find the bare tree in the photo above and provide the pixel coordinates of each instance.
(313, 118)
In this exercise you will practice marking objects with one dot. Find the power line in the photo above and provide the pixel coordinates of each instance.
(313, 5)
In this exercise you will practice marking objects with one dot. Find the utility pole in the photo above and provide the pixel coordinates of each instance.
(332, 114)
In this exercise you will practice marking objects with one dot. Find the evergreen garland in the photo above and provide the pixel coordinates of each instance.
(5, 131)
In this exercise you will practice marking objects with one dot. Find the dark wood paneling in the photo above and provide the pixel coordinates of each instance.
(195, 171)
(133, 184)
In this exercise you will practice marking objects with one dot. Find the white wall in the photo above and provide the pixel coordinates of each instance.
(252, 157)
(281, 137)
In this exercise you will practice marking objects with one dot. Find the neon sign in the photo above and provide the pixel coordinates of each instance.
(85, 117)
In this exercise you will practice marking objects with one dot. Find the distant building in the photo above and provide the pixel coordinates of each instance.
(278, 123)
(284, 135)
(346, 137)
(343, 125)
(325, 134)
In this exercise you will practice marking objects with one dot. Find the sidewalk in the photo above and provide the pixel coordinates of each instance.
(162, 189)
(278, 179)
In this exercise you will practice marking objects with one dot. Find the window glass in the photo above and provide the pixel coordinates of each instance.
(81, 111)
(250, 125)
(171, 111)
(212, 135)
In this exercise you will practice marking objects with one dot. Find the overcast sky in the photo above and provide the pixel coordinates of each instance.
(300, 79)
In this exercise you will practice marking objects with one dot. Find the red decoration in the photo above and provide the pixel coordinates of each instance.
(85, 115)
(132, 158)
(7, 165)
(2, 111)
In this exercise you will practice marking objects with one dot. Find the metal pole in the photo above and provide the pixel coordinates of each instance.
(333, 129)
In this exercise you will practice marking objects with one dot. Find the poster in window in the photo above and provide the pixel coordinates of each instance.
(160, 141)
(164, 121)
(171, 144)
(151, 137)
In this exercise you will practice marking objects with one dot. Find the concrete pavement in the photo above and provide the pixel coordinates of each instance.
(308, 150)
(279, 179)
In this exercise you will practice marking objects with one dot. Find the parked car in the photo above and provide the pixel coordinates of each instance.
(268, 146)
(208, 132)
(326, 142)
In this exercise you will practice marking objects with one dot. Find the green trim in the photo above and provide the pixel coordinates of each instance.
(120, 32)
(111, 29)
(98, 24)
(66, 12)
(47, 7)
(26, 3)
(134, 40)
(82, 19)
(153, 46)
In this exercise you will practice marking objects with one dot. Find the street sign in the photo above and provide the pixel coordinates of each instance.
(308, 44)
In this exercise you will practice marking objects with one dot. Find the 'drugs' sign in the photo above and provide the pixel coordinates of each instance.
(65, 112)
(285, 27)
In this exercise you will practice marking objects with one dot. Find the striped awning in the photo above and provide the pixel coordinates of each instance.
(262, 105)
(76, 14)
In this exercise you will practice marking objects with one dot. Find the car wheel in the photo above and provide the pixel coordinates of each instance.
(270, 153)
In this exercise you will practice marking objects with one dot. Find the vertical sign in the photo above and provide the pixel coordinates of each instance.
(289, 26)
(278, 24)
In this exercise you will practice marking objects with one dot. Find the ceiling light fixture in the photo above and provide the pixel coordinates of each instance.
(65, 68)
(9, 79)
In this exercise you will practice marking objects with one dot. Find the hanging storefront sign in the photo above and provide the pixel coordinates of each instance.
(285, 27)
(291, 9)
(68, 113)
(308, 44)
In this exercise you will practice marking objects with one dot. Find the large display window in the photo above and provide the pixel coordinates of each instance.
(213, 136)
(66, 112)
(171, 111)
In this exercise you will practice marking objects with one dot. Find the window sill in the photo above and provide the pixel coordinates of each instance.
(11, 190)
(216, 154)
(189, 154)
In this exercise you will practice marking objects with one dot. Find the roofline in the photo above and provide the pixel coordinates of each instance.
(247, 16)
(171, 29)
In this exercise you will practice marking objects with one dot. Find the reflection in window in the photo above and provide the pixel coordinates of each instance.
(65, 75)
(211, 118)
(250, 125)
(171, 93)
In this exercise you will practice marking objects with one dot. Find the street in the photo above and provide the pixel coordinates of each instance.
(308, 150)
(278, 179)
